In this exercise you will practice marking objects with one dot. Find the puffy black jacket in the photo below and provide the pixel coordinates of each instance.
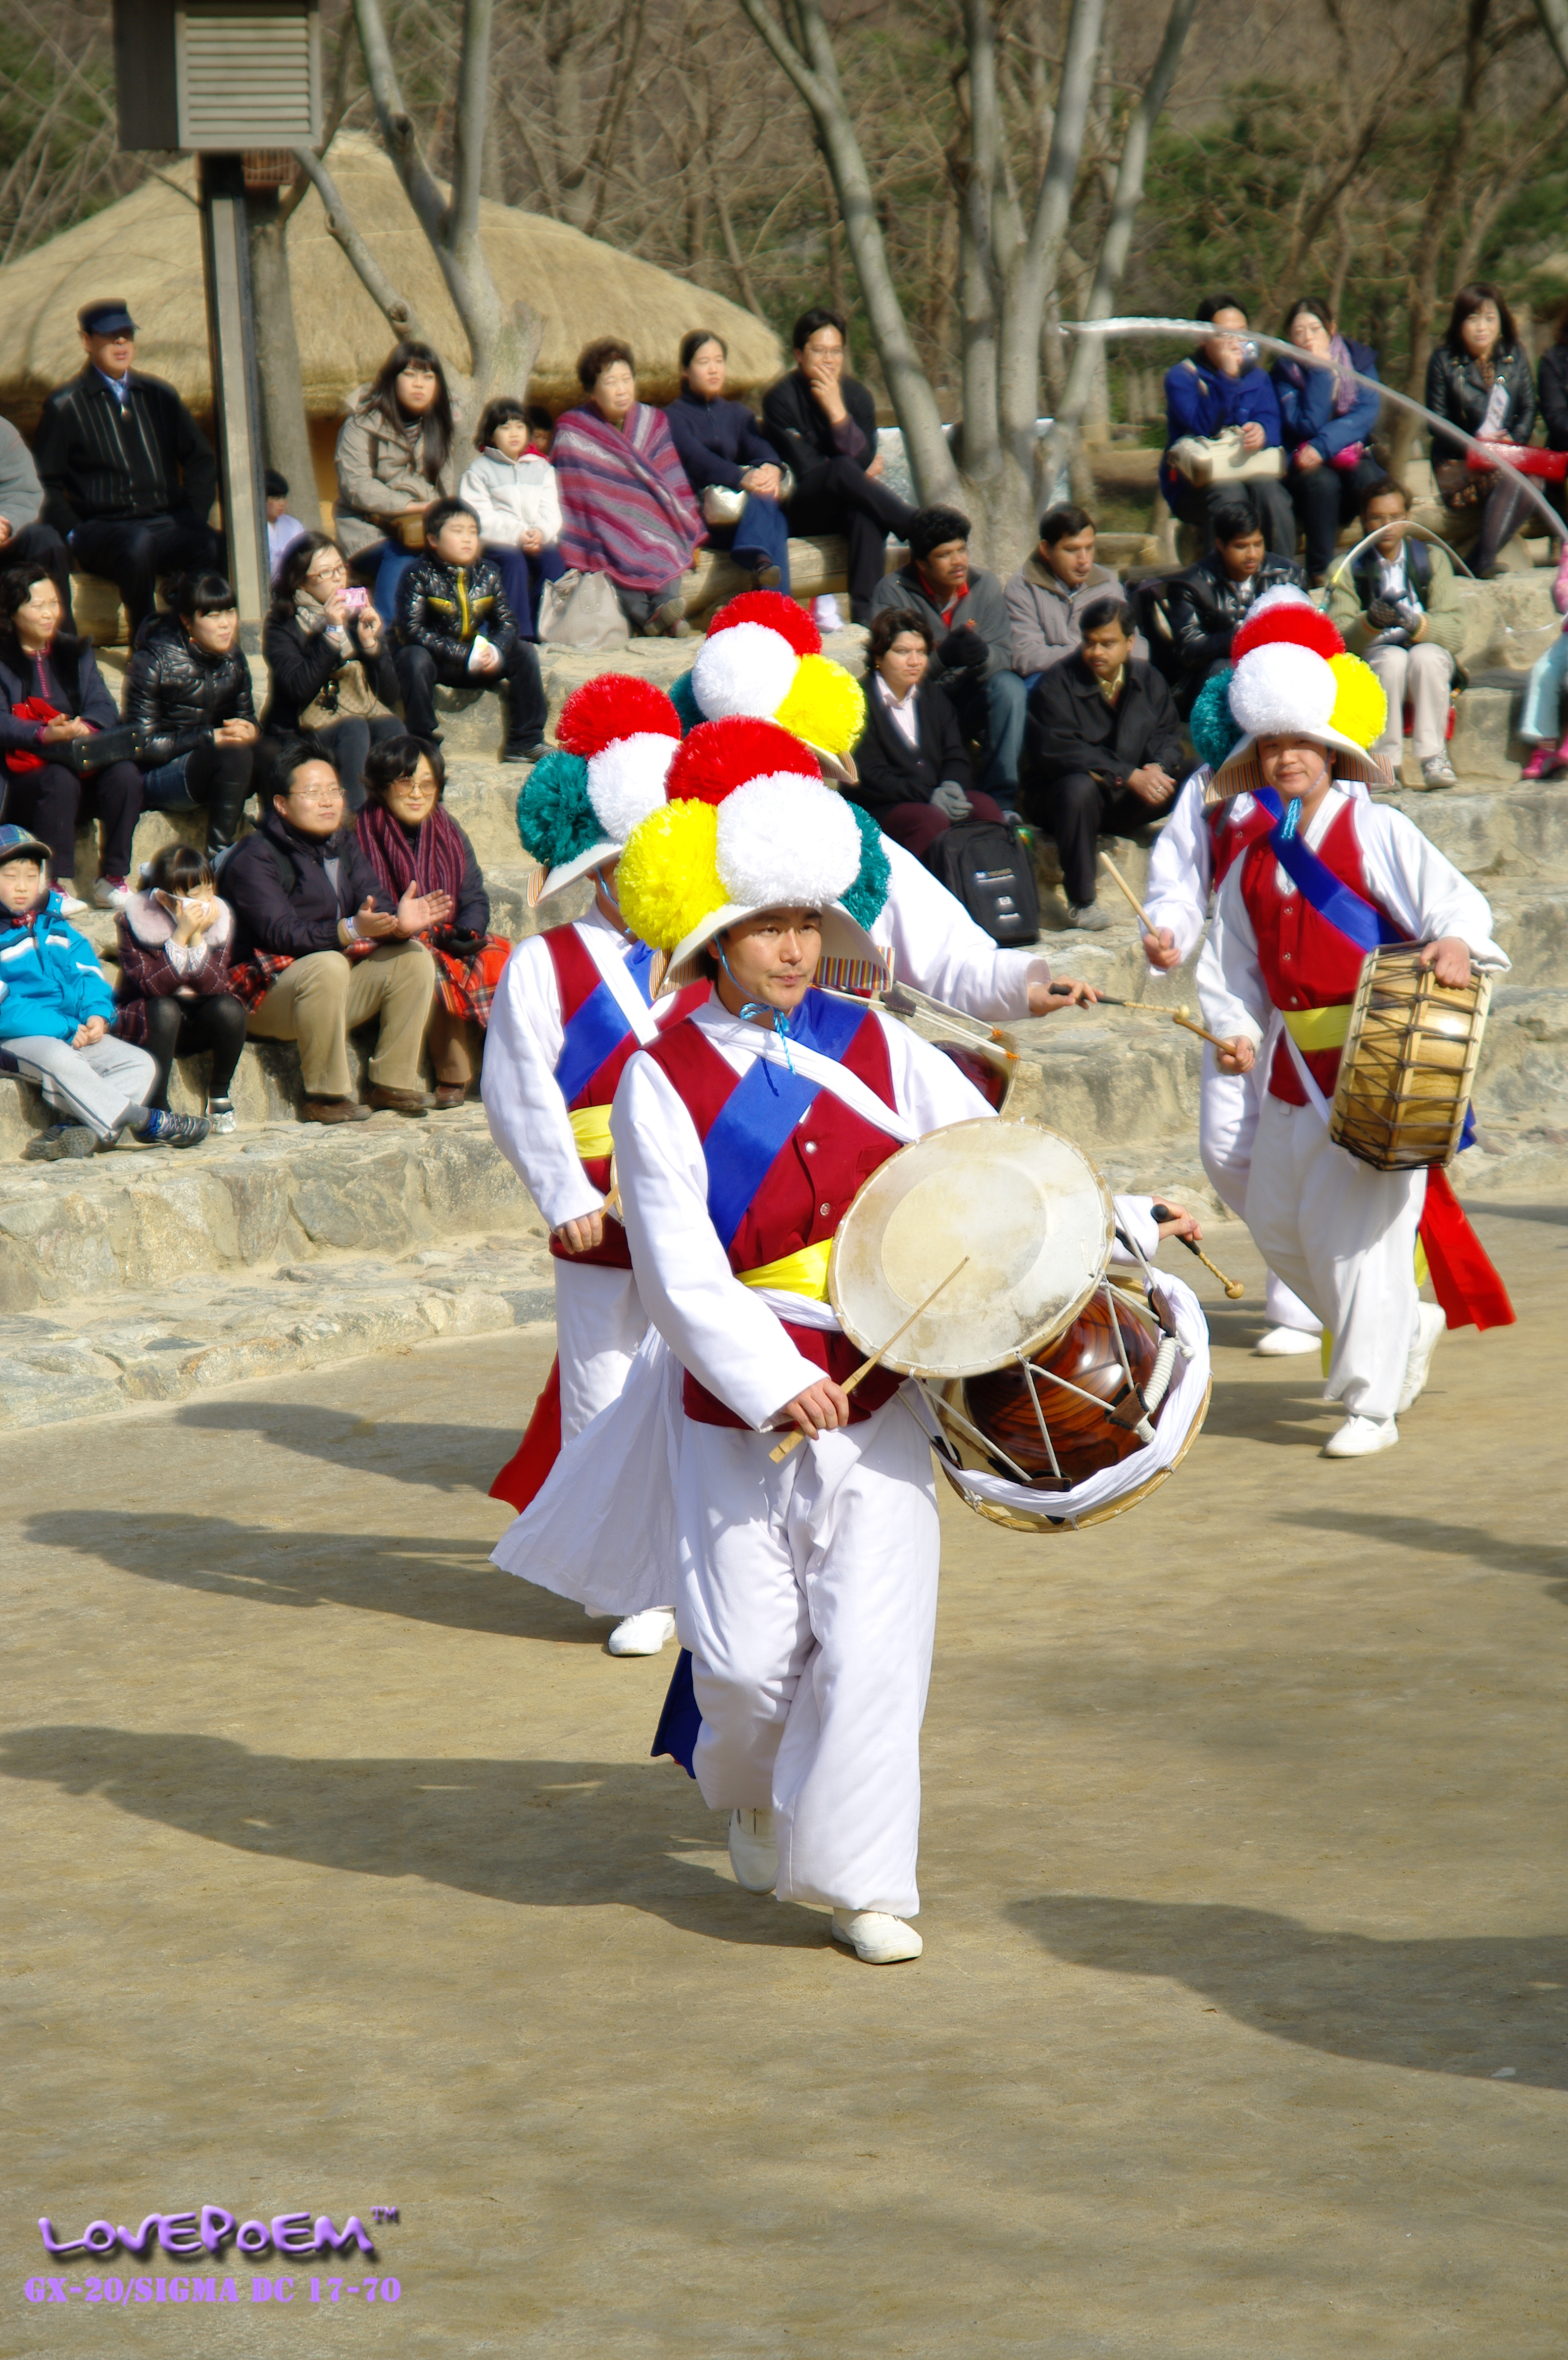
(177, 694)
(1551, 380)
(1205, 608)
(444, 607)
(1457, 390)
(284, 898)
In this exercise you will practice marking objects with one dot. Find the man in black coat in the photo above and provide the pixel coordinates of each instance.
(1102, 750)
(307, 903)
(1207, 603)
(823, 426)
(128, 474)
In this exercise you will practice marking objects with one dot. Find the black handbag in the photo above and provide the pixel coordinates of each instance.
(86, 755)
(990, 870)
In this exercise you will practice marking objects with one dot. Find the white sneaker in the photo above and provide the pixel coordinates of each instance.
(1362, 1437)
(1281, 1342)
(753, 1851)
(873, 1935)
(642, 1635)
(70, 904)
(111, 893)
(1431, 1323)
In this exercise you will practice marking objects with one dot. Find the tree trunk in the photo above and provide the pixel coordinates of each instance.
(285, 436)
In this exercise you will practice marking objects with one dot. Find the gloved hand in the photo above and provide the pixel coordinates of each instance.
(951, 798)
(1384, 614)
(458, 940)
(963, 650)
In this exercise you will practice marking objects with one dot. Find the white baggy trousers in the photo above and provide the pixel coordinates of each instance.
(1344, 1237)
(599, 1323)
(807, 1596)
(1227, 1125)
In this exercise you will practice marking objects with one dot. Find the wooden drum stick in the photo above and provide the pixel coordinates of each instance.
(1233, 1286)
(1149, 926)
(790, 1440)
(1179, 1017)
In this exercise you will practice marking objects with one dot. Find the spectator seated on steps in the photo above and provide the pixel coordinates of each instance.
(188, 697)
(1398, 607)
(734, 473)
(512, 489)
(822, 424)
(320, 946)
(1207, 603)
(1327, 422)
(414, 845)
(396, 454)
(627, 508)
(1050, 591)
(1541, 722)
(454, 625)
(1103, 750)
(173, 998)
(1479, 378)
(1219, 386)
(282, 530)
(128, 477)
(971, 642)
(24, 541)
(53, 696)
(329, 661)
(912, 765)
(55, 1014)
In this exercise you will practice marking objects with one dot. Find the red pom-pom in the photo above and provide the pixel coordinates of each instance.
(775, 613)
(614, 704)
(720, 756)
(1296, 626)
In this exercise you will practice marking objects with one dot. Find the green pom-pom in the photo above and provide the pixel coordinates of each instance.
(866, 895)
(1213, 727)
(683, 696)
(555, 817)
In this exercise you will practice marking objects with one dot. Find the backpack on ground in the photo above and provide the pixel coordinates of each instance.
(989, 869)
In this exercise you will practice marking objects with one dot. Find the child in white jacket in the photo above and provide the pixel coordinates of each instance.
(512, 489)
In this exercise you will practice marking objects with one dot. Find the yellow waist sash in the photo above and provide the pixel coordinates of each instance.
(590, 1130)
(805, 1272)
(1316, 1028)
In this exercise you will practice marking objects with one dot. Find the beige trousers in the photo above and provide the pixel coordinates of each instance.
(319, 1000)
(1421, 673)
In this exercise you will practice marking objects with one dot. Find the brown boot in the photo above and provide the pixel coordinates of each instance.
(415, 1102)
(450, 1094)
(334, 1110)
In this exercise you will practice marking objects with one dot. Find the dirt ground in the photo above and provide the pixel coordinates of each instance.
(339, 1877)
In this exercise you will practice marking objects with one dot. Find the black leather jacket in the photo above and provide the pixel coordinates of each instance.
(1457, 389)
(177, 694)
(443, 607)
(1206, 607)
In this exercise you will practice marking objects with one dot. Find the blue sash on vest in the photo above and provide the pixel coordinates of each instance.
(1341, 904)
(597, 1028)
(765, 1106)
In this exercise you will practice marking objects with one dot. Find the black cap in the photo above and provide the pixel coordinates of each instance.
(109, 317)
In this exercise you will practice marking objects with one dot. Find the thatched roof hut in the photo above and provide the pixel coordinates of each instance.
(147, 248)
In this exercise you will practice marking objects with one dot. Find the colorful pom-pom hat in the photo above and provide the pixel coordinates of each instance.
(763, 659)
(616, 738)
(749, 825)
(1293, 678)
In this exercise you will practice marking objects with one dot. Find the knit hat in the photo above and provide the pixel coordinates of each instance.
(762, 659)
(747, 825)
(21, 844)
(616, 738)
(1293, 678)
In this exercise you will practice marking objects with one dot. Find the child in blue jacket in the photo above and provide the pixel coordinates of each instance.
(55, 1013)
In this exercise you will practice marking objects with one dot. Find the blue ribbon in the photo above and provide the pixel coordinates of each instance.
(1331, 898)
(753, 1126)
(594, 1033)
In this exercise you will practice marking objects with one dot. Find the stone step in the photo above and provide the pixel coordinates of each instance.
(1519, 829)
(195, 1333)
(1531, 923)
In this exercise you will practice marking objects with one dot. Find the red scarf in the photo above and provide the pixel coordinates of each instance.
(434, 863)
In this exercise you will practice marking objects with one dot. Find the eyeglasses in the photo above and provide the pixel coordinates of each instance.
(315, 794)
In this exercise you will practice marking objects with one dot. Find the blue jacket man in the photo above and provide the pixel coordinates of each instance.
(1219, 385)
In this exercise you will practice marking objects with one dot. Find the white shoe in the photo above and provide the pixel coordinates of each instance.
(642, 1635)
(873, 1935)
(1431, 1322)
(1362, 1437)
(1281, 1342)
(753, 1851)
(70, 904)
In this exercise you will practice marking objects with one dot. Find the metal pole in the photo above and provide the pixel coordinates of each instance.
(236, 400)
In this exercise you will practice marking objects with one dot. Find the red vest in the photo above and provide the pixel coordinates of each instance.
(1230, 836)
(804, 1194)
(1306, 962)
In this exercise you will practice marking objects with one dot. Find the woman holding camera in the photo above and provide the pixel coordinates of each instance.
(329, 662)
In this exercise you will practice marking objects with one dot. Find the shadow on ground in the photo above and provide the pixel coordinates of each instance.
(1471, 1542)
(449, 1582)
(1473, 2006)
(436, 1457)
(548, 1835)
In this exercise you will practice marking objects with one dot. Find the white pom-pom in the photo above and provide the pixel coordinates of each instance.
(1280, 691)
(1284, 594)
(784, 842)
(747, 669)
(626, 781)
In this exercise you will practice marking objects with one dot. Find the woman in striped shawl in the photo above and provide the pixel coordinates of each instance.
(627, 508)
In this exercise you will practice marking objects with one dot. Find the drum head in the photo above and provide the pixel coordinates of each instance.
(1025, 1206)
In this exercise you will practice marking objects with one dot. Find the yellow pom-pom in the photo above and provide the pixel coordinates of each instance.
(668, 878)
(826, 705)
(1360, 709)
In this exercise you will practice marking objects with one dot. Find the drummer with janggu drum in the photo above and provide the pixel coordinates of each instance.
(1340, 910)
(750, 1138)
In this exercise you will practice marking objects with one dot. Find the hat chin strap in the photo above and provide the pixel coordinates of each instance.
(750, 1008)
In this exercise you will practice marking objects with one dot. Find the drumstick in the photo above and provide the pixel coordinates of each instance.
(1149, 924)
(1180, 1016)
(1233, 1286)
(788, 1444)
